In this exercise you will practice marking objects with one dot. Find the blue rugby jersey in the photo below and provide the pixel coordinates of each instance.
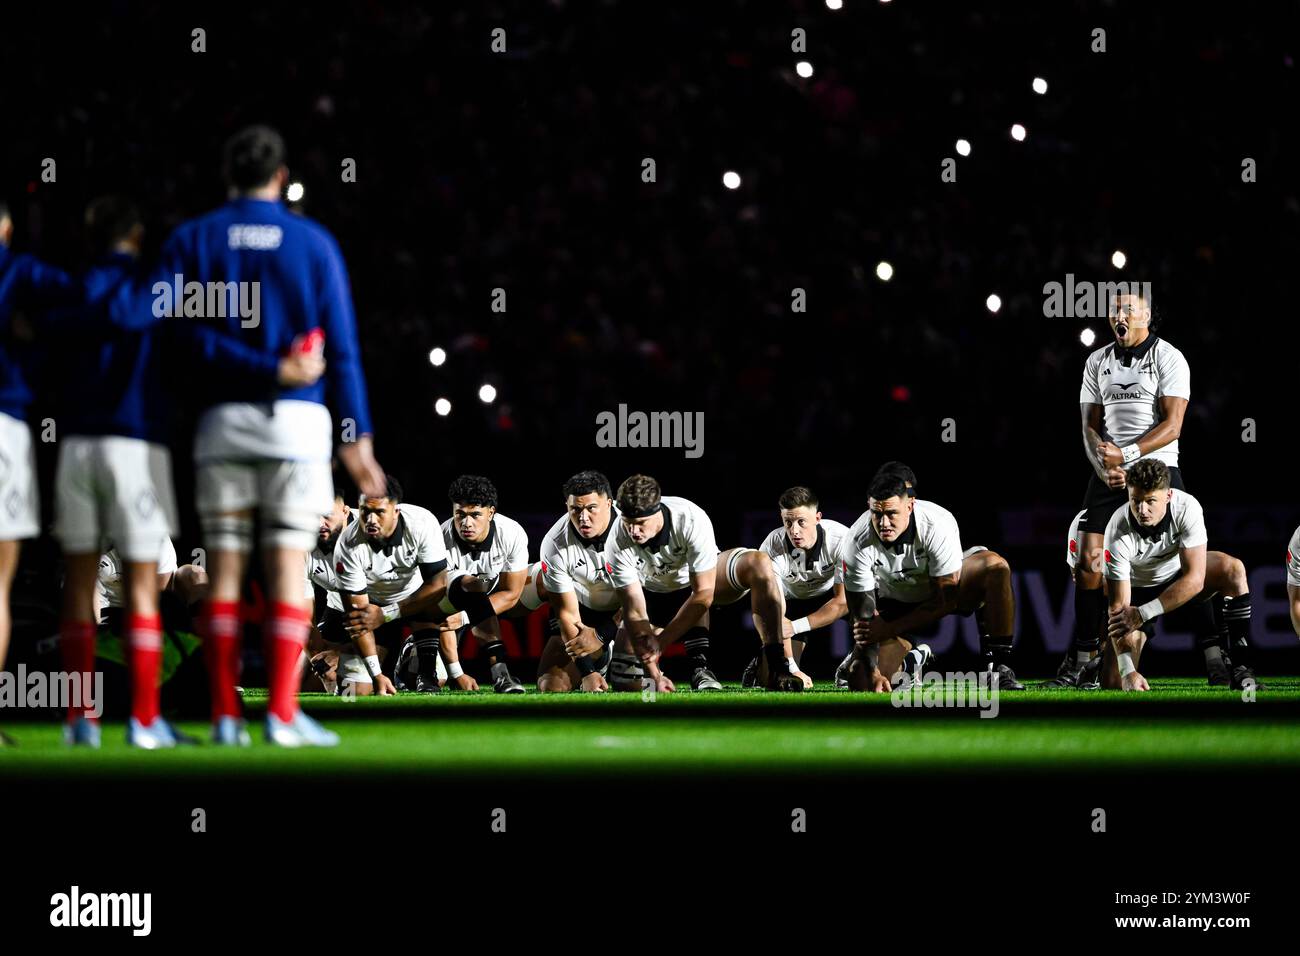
(25, 281)
(302, 284)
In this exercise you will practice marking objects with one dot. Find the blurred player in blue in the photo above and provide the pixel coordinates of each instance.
(275, 281)
(113, 481)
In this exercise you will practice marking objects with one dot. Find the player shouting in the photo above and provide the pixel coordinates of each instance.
(1133, 398)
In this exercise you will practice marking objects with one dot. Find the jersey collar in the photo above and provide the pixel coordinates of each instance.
(1128, 356)
(906, 538)
(598, 542)
(478, 547)
(387, 544)
(815, 551)
(1154, 533)
(661, 539)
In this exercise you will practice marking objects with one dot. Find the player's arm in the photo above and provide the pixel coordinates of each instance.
(363, 639)
(645, 641)
(1092, 437)
(1170, 426)
(1189, 583)
(433, 588)
(693, 609)
(828, 613)
(941, 602)
(862, 608)
(510, 584)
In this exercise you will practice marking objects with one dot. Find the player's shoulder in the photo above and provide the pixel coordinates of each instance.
(687, 515)
(862, 529)
(833, 533)
(775, 543)
(1168, 355)
(510, 529)
(557, 536)
(1183, 503)
(1096, 356)
(419, 520)
(933, 516)
(1118, 525)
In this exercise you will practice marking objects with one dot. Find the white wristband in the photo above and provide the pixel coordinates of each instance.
(372, 664)
(800, 626)
(454, 670)
(791, 665)
(1131, 453)
(1152, 608)
(392, 612)
(1125, 664)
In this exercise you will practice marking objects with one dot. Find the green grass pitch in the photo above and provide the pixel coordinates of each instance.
(1181, 723)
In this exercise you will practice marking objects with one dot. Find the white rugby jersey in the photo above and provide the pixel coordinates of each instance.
(1145, 557)
(504, 549)
(1293, 559)
(929, 548)
(1128, 388)
(1074, 541)
(807, 572)
(321, 570)
(663, 564)
(389, 571)
(573, 563)
(109, 587)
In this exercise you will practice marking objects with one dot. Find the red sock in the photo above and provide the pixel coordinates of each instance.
(221, 647)
(144, 657)
(286, 635)
(77, 646)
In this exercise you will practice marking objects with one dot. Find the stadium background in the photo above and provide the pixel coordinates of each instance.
(478, 170)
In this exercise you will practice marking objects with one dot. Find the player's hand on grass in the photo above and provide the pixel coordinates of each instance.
(1122, 620)
(384, 687)
(1134, 681)
(594, 684)
(358, 458)
(298, 370)
(368, 618)
(586, 643)
(807, 681)
(1116, 477)
(465, 682)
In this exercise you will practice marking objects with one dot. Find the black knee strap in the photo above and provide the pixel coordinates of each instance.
(476, 605)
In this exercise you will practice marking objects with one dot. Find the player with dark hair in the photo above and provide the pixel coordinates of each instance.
(904, 569)
(804, 553)
(580, 591)
(985, 591)
(274, 281)
(662, 546)
(25, 281)
(1133, 399)
(1156, 559)
(487, 568)
(392, 568)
